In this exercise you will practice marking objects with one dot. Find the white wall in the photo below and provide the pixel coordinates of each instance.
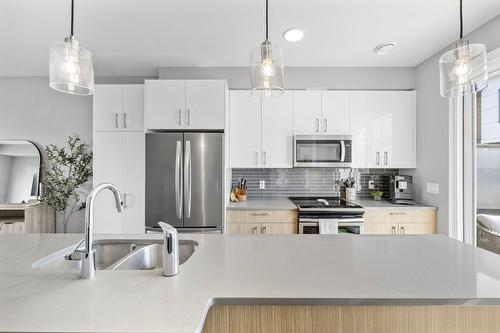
(433, 123)
(23, 170)
(31, 110)
(351, 78)
(5, 168)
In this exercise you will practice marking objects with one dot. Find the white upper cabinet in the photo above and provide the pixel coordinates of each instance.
(336, 112)
(399, 129)
(185, 104)
(119, 107)
(383, 129)
(107, 107)
(205, 104)
(324, 112)
(307, 112)
(133, 107)
(244, 129)
(366, 129)
(165, 104)
(277, 132)
(261, 131)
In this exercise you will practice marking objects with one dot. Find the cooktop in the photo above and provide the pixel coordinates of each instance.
(322, 203)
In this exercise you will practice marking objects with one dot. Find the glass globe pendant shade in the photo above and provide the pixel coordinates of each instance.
(71, 68)
(463, 70)
(266, 70)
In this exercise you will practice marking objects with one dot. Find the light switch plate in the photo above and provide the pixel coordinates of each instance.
(433, 188)
(262, 184)
(371, 184)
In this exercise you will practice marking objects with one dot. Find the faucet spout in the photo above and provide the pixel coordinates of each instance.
(88, 263)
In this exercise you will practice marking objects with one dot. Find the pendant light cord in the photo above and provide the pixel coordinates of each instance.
(72, 14)
(461, 21)
(267, 19)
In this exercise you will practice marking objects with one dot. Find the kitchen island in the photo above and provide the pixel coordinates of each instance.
(255, 282)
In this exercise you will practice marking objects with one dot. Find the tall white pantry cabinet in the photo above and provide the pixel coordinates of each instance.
(119, 156)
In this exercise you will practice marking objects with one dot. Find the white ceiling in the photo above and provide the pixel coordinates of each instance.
(135, 37)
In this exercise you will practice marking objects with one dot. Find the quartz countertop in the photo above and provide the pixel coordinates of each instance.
(386, 204)
(329, 269)
(263, 204)
(285, 204)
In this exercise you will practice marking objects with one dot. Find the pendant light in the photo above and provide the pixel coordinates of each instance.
(266, 67)
(463, 70)
(70, 66)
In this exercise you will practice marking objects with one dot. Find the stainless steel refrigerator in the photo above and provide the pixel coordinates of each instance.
(184, 181)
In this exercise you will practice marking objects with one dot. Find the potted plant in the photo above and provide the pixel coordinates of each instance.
(64, 171)
(377, 195)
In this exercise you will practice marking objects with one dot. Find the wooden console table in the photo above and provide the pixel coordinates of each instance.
(26, 218)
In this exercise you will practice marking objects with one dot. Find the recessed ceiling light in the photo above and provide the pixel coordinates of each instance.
(293, 34)
(385, 48)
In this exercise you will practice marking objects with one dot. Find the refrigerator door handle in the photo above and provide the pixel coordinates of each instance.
(178, 180)
(187, 178)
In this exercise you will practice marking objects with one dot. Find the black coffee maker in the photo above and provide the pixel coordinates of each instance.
(401, 190)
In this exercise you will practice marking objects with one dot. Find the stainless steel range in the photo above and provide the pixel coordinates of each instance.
(313, 209)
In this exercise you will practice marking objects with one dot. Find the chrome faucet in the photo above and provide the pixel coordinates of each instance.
(88, 253)
(170, 250)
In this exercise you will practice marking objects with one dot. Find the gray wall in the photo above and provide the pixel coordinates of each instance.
(350, 78)
(433, 123)
(31, 110)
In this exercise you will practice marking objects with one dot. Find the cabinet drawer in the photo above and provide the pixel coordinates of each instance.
(261, 228)
(416, 228)
(243, 228)
(249, 216)
(380, 229)
(400, 215)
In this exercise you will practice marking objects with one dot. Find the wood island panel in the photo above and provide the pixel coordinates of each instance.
(351, 319)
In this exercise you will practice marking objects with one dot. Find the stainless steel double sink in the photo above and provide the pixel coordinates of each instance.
(118, 254)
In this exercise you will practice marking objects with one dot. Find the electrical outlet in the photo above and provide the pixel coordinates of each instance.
(371, 184)
(262, 184)
(433, 188)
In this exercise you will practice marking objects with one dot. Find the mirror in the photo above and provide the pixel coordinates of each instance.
(19, 171)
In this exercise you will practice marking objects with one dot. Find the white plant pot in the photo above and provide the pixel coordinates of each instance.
(350, 194)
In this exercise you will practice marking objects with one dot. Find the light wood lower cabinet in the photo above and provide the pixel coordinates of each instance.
(399, 221)
(352, 319)
(261, 228)
(261, 222)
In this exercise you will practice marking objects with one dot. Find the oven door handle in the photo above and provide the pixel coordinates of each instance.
(342, 150)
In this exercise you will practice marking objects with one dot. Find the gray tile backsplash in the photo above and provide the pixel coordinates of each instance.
(309, 181)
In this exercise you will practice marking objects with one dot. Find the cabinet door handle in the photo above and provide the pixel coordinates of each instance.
(188, 117)
(325, 125)
(317, 125)
(377, 158)
(124, 203)
(124, 120)
(393, 230)
(398, 213)
(256, 158)
(385, 157)
(179, 122)
(264, 158)
(259, 214)
(254, 230)
(116, 120)
(402, 229)
(264, 230)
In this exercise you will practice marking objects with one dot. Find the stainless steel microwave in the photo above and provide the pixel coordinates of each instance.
(323, 151)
